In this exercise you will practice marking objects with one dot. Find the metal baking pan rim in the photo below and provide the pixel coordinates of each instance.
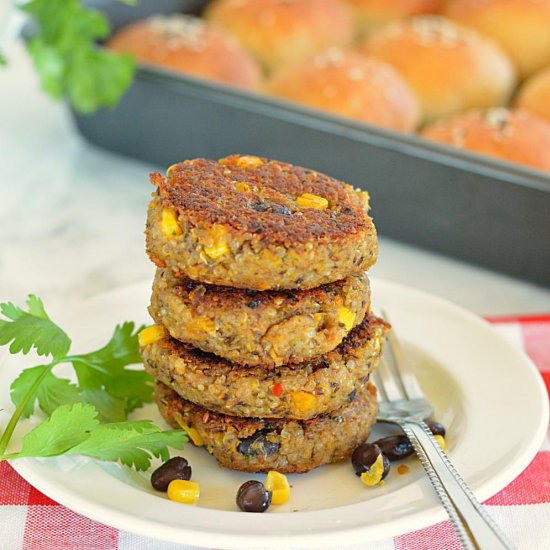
(411, 144)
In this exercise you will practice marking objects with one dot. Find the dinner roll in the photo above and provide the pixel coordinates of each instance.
(351, 85)
(534, 96)
(516, 136)
(450, 68)
(281, 32)
(521, 27)
(187, 44)
(374, 13)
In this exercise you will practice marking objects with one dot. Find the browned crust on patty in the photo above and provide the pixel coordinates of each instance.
(269, 328)
(204, 190)
(302, 391)
(261, 237)
(285, 445)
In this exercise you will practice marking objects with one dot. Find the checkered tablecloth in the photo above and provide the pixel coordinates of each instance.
(31, 521)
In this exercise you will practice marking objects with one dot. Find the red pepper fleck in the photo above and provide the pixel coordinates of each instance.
(277, 389)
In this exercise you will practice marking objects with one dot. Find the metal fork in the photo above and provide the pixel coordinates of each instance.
(403, 403)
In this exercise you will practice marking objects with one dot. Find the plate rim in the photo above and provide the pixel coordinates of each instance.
(394, 527)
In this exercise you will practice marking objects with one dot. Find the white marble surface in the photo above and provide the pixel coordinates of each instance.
(72, 216)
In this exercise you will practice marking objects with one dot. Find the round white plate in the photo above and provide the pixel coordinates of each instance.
(487, 393)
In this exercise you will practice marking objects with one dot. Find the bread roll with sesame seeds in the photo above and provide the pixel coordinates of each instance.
(351, 85)
(534, 96)
(521, 27)
(374, 13)
(281, 32)
(516, 136)
(450, 68)
(189, 45)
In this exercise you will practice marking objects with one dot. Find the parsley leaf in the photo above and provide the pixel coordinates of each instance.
(67, 59)
(51, 393)
(106, 382)
(131, 443)
(32, 329)
(67, 427)
(75, 430)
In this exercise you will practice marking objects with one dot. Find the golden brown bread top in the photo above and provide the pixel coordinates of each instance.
(516, 136)
(280, 32)
(188, 44)
(206, 192)
(520, 27)
(352, 85)
(534, 95)
(449, 67)
(210, 363)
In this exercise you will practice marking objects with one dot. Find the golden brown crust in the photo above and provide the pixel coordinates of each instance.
(521, 27)
(284, 445)
(534, 95)
(450, 68)
(374, 13)
(300, 391)
(189, 45)
(242, 225)
(515, 136)
(204, 190)
(282, 32)
(351, 85)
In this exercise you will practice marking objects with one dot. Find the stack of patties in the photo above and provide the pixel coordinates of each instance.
(264, 340)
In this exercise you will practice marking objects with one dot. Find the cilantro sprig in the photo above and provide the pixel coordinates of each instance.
(67, 59)
(88, 417)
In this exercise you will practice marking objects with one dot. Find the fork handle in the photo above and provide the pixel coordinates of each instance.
(473, 521)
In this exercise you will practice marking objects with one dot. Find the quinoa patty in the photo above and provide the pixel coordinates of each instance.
(285, 445)
(255, 223)
(301, 391)
(269, 328)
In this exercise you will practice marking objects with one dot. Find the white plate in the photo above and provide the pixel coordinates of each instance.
(486, 392)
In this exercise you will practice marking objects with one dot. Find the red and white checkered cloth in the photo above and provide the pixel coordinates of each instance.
(31, 521)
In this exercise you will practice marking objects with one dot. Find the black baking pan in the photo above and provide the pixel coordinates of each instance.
(492, 213)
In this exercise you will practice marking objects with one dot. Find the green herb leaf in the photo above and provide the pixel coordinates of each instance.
(68, 426)
(132, 443)
(104, 371)
(51, 393)
(32, 329)
(67, 59)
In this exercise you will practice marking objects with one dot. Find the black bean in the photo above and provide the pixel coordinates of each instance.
(351, 395)
(365, 456)
(175, 468)
(253, 497)
(436, 428)
(395, 447)
(253, 304)
(272, 208)
(257, 444)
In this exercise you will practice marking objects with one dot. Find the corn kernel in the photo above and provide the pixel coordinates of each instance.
(169, 224)
(307, 200)
(151, 335)
(302, 401)
(365, 197)
(278, 485)
(205, 324)
(242, 187)
(184, 491)
(373, 476)
(249, 161)
(171, 169)
(216, 250)
(193, 434)
(442, 443)
(346, 317)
